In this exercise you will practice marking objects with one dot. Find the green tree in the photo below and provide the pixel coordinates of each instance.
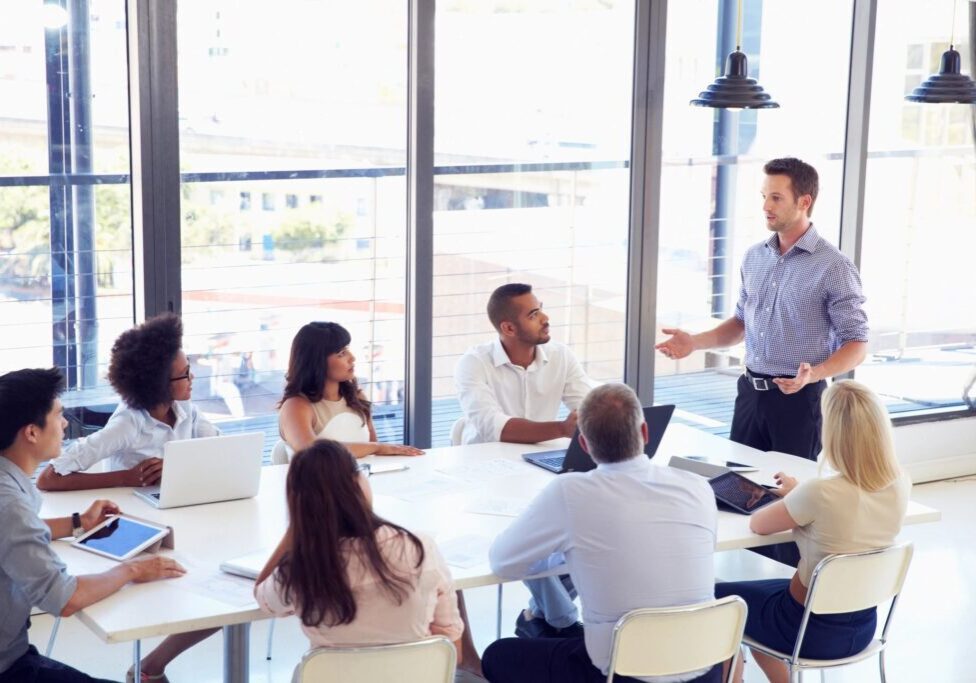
(308, 235)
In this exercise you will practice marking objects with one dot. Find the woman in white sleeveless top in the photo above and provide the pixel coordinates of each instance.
(322, 399)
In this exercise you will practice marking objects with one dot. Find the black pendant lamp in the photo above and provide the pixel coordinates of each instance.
(949, 85)
(735, 90)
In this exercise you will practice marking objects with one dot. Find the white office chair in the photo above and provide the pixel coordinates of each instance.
(672, 640)
(457, 431)
(848, 583)
(280, 454)
(425, 661)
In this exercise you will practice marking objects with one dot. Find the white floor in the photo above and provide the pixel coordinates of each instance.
(933, 627)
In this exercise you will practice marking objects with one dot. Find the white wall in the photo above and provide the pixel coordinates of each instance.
(937, 450)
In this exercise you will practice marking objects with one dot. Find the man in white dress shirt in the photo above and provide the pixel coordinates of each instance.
(633, 534)
(511, 389)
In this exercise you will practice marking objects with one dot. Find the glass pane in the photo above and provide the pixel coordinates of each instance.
(531, 180)
(65, 219)
(711, 208)
(919, 215)
(293, 196)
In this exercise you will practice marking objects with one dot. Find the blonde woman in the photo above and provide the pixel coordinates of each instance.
(860, 506)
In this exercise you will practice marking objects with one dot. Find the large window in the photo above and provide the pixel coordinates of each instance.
(711, 208)
(293, 196)
(65, 219)
(919, 218)
(531, 180)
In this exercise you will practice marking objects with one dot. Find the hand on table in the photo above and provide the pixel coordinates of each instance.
(569, 424)
(397, 449)
(153, 568)
(146, 473)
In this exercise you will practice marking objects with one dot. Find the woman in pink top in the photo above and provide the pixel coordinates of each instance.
(353, 577)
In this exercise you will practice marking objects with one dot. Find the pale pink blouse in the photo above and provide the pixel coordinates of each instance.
(429, 609)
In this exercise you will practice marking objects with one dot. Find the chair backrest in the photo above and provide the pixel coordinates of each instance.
(457, 431)
(673, 640)
(280, 454)
(856, 581)
(425, 661)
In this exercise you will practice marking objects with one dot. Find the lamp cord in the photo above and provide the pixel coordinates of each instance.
(952, 29)
(738, 28)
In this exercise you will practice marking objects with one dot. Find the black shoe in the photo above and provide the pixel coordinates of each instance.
(540, 628)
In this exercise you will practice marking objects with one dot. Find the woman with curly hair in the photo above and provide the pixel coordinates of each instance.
(359, 579)
(151, 374)
(322, 399)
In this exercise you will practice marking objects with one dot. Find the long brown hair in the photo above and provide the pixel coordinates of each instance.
(329, 511)
(308, 366)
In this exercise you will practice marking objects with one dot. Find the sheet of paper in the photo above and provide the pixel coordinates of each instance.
(465, 551)
(479, 472)
(502, 507)
(207, 580)
(418, 486)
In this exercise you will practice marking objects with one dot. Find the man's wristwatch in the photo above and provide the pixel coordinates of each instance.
(77, 530)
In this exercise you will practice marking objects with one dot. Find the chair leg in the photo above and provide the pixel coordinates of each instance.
(498, 614)
(53, 636)
(137, 660)
(270, 639)
(881, 665)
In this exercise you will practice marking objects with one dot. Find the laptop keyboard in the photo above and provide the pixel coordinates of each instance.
(154, 495)
(553, 461)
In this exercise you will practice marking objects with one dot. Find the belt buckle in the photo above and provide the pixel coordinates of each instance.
(759, 383)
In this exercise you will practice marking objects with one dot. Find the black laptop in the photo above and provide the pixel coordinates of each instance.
(575, 459)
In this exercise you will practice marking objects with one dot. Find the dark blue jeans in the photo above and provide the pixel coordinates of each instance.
(552, 660)
(33, 667)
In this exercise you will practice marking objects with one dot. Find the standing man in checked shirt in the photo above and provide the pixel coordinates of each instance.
(801, 313)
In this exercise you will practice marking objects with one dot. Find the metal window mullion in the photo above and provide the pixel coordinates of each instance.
(420, 223)
(856, 132)
(645, 194)
(154, 147)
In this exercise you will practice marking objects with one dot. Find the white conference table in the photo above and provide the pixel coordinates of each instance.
(438, 494)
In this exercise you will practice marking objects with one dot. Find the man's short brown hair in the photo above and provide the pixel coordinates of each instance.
(803, 177)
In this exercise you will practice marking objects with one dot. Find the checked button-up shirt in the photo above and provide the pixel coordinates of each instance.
(800, 306)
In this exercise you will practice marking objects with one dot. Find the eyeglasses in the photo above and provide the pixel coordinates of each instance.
(365, 468)
(185, 375)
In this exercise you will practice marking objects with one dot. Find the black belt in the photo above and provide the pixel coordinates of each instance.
(759, 381)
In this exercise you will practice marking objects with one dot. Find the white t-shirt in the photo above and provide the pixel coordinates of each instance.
(835, 516)
(492, 390)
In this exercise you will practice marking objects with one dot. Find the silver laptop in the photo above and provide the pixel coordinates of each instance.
(208, 470)
(248, 566)
(702, 467)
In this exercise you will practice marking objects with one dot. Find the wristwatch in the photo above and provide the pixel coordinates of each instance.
(76, 529)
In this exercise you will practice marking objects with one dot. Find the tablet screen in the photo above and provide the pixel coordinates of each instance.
(120, 537)
(740, 492)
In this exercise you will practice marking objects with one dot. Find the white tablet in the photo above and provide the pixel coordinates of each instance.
(121, 537)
